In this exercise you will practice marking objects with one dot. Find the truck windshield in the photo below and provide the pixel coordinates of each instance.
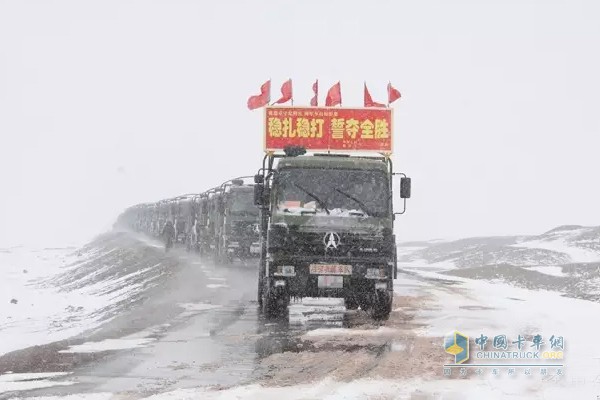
(242, 202)
(333, 191)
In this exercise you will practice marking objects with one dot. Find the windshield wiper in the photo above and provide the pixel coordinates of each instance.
(321, 202)
(362, 205)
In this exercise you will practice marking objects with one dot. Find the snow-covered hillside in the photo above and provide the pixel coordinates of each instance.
(51, 294)
(565, 259)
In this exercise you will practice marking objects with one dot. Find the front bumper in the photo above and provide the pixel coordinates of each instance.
(243, 249)
(331, 278)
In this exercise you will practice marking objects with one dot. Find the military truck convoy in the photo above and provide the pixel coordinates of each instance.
(319, 213)
(220, 223)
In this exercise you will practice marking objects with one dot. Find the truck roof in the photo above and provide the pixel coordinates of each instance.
(333, 162)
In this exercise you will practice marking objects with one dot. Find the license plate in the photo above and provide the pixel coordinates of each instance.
(330, 269)
(330, 282)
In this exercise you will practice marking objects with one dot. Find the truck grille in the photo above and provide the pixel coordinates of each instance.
(244, 229)
(348, 244)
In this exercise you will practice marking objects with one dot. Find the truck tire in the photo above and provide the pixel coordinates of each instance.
(381, 305)
(259, 296)
(351, 303)
(274, 304)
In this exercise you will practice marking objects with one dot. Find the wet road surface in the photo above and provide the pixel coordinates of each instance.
(202, 327)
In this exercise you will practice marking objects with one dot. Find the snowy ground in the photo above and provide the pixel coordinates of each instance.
(48, 295)
(33, 313)
(210, 342)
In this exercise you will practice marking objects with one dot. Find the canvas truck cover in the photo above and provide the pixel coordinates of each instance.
(328, 129)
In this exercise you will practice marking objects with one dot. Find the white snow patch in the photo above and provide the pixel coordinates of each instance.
(363, 389)
(381, 331)
(402, 250)
(216, 285)
(329, 389)
(424, 264)
(197, 307)
(135, 340)
(10, 377)
(19, 382)
(577, 254)
(549, 270)
(79, 396)
(476, 307)
(108, 345)
(44, 313)
(398, 346)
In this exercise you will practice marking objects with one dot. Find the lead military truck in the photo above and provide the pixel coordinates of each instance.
(327, 220)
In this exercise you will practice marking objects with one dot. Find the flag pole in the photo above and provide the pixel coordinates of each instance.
(270, 84)
(388, 93)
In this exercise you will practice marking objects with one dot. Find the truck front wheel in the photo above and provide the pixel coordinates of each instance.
(381, 305)
(274, 303)
(351, 303)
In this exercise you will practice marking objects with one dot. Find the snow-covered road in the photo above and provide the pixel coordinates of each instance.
(195, 332)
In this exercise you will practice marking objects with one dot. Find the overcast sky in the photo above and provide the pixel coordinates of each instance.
(104, 104)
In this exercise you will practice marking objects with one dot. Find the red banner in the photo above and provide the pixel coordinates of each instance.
(328, 128)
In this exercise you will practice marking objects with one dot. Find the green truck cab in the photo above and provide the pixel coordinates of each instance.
(327, 230)
(238, 230)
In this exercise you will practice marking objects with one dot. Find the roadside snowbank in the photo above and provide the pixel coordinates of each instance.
(476, 307)
(48, 295)
(31, 314)
(361, 389)
(562, 245)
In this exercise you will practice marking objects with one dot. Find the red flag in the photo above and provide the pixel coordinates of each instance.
(286, 92)
(315, 100)
(334, 96)
(369, 101)
(393, 94)
(261, 99)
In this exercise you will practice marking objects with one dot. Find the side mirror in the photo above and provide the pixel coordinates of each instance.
(258, 178)
(259, 188)
(405, 188)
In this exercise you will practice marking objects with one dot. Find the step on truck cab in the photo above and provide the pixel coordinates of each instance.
(327, 220)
